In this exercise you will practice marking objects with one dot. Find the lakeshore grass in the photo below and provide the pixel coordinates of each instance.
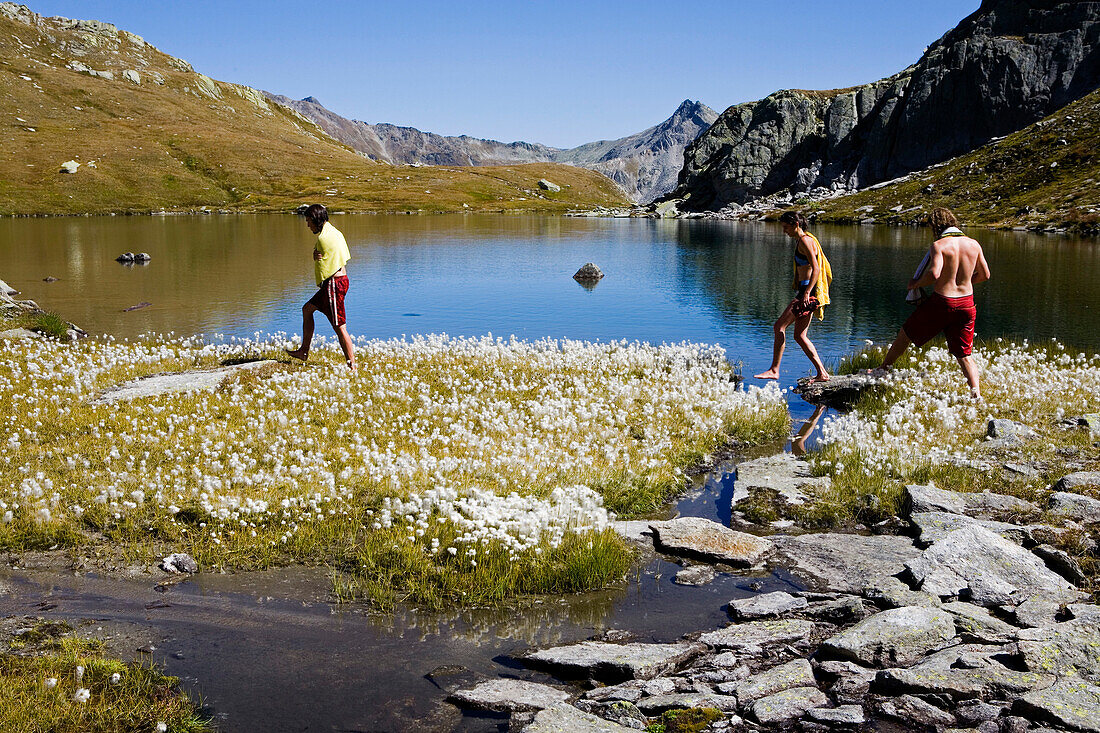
(924, 427)
(446, 470)
(56, 682)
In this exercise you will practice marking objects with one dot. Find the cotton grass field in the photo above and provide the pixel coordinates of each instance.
(446, 470)
(925, 427)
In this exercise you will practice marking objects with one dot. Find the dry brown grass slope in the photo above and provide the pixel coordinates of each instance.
(170, 138)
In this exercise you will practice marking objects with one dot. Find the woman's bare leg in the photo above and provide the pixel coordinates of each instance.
(801, 327)
(786, 319)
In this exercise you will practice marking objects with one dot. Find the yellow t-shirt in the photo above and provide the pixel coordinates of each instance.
(333, 247)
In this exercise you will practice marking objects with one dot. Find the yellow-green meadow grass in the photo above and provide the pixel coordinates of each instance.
(447, 470)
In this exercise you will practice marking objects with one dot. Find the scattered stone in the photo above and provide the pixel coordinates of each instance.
(758, 634)
(1071, 702)
(1021, 469)
(694, 575)
(914, 711)
(658, 704)
(588, 272)
(842, 562)
(839, 716)
(1068, 648)
(976, 620)
(841, 611)
(899, 636)
(178, 382)
(927, 498)
(131, 76)
(851, 681)
(546, 185)
(620, 711)
(13, 334)
(636, 531)
(982, 567)
(798, 673)
(50, 279)
(707, 540)
(142, 257)
(1042, 608)
(840, 392)
(934, 526)
(1060, 562)
(179, 562)
(1008, 430)
(613, 662)
(1077, 480)
(972, 712)
(783, 706)
(125, 257)
(508, 695)
(785, 474)
(563, 717)
(765, 605)
(69, 166)
(1075, 506)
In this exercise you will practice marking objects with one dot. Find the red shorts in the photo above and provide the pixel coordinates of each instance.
(329, 299)
(952, 316)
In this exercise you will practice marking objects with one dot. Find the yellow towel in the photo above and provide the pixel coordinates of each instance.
(824, 279)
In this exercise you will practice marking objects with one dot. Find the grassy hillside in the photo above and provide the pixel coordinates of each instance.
(1046, 175)
(162, 136)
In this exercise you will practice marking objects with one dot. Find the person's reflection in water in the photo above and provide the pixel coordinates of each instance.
(798, 442)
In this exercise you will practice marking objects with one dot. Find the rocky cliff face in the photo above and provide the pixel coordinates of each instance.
(1004, 67)
(644, 165)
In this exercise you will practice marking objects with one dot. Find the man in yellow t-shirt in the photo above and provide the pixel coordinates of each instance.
(330, 255)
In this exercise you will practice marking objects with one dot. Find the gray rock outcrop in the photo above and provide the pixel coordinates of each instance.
(844, 563)
(159, 384)
(705, 539)
(509, 695)
(612, 662)
(898, 636)
(1014, 62)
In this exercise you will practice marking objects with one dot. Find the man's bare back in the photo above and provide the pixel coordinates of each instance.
(956, 265)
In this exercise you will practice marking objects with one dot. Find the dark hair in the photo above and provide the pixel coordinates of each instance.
(316, 214)
(794, 217)
(940, 219)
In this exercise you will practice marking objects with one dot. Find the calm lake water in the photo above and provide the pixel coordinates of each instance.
(268, 652)
(666, 280)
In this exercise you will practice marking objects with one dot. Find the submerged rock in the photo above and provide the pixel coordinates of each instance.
(707, 540)
(694, 575)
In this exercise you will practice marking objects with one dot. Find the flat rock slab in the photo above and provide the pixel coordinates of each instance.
(19, 334)
(840, 392)
(564, 718)
(844, 563)
(180, 382)
(785, 474)
(1077, 507)
(634, 530)
(976, 620)
(613, 662)
(993, 681)
(896, 637)
(758, 634)
(1073, 703)
(765, 605)
(1068, 648)
(789, 704)
(701, 538)
(927, 498)
(798, 673)
(845, 715)
(982, 567)
(1073, 481)
(934, 526)
(509, 696)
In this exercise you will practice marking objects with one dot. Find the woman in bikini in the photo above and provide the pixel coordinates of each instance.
(800, 311)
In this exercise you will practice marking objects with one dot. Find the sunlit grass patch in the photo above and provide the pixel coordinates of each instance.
(515, 454)
(55, 682)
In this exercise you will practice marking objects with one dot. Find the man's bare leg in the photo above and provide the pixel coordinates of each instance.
(801, 327)
(346, 345)
(778, 345)
(302, 352)
(901, 343)
(971, 372)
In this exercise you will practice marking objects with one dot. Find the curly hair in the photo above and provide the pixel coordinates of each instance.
(941, 219)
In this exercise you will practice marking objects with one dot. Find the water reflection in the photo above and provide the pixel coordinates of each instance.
(798, 441)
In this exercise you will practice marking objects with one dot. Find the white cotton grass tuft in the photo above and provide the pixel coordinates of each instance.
(82, 695)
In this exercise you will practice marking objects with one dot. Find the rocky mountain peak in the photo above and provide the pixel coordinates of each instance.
(313, 100)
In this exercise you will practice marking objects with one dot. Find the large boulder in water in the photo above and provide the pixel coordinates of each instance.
(588, 273)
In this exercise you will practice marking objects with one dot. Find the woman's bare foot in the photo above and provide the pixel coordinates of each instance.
(298, 354)
(820, 378)
(770, 374)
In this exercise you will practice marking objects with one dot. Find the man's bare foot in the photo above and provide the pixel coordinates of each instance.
(820, 378)
(770, 374)
(298, 354)
(352, 367)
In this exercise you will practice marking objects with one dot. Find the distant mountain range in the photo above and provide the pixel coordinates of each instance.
(645, 165)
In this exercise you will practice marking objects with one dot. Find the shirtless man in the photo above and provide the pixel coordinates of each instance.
(956, 264)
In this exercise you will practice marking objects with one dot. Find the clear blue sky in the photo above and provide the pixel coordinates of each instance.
(560, 72)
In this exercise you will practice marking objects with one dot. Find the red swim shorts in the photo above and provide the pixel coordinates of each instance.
(953, 316)
(329, 299)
